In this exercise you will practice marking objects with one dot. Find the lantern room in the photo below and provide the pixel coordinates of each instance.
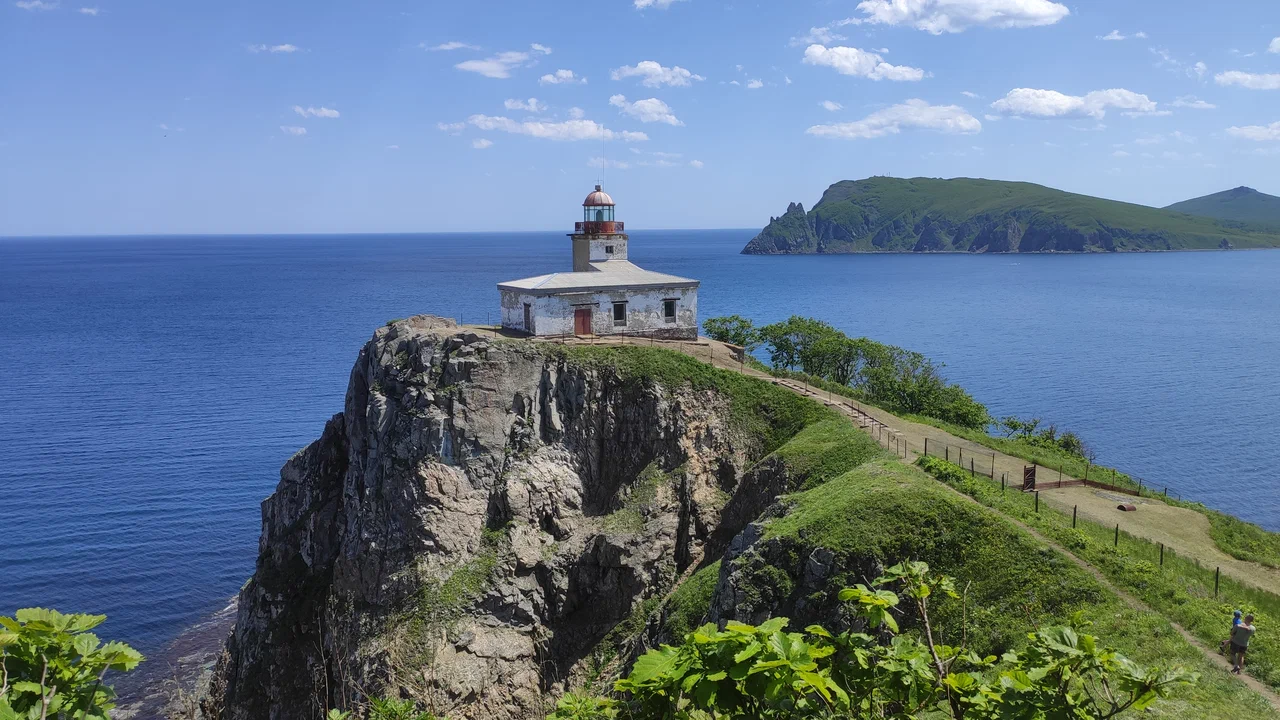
(598, 207)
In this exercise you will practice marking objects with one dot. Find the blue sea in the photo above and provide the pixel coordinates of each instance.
(153, 386)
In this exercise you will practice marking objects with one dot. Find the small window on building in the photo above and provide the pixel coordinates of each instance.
(620, 314)
(608, 249)
(669, 310)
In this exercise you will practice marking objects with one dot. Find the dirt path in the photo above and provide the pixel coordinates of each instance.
(1185, 531)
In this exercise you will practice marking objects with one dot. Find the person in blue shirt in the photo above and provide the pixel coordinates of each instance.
(1235, 623)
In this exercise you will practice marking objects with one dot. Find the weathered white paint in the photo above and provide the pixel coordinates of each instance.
(553, 314)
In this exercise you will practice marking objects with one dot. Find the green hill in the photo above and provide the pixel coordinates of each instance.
(883, 214)
(1242, 204)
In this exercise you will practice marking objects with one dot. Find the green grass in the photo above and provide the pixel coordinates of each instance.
(1180, 589)
(687, 607)
(889, 511)
(759, 409)
(825, 450)
(1243, 540)
(965, 214)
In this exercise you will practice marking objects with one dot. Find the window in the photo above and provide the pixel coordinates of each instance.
(669, 310)
(620, 314)
(608, 249)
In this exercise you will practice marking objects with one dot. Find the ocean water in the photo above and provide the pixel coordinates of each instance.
(153, 387)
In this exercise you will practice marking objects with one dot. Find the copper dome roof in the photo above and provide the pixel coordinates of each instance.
(598, 197)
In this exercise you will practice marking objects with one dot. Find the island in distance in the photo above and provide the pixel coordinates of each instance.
(885, 214)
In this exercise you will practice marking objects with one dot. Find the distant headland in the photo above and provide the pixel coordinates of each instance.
(885, 214)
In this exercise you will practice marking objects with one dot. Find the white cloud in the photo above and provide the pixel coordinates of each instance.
(755, 84)
(819, 35)
(1249, 80)
(659, 4)
(1257, 133)
(786, 79)
(992, 118)
(539, 48)
(498, 66)
(599, 162)
(831, 105)
(650, 110)
(1113, 35)
(1274, 47)
(452, 45)
(293, 130)
(567, 130)
(393, 147)
(532, 105)
(481, 143)
(34, 5)
(695, 164)
(852, 61)
(1120, 153)
(939, 16)
(1141, 35)
(1193, 102)
(733, 82)
(320, 112)
(653, 74)
(577, 113)
(1200, 69)
(163, 126)
(1051, 103)
(89, 11)
(285, 48)
(968, 94)
(561, 77)
(451, 128)
(949, 119)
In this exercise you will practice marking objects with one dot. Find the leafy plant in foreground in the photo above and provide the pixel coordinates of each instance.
(51, 666)
(769, 673)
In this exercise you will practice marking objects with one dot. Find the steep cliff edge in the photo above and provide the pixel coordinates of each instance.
(484, 512)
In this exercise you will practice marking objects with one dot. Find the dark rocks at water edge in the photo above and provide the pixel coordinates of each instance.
(883, 214)
(474, 524)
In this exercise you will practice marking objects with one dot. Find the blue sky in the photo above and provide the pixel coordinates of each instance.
(408, 116)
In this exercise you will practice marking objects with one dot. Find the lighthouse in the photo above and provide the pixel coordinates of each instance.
(605, 294)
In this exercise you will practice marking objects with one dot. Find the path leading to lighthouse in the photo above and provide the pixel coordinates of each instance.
(1185, 531)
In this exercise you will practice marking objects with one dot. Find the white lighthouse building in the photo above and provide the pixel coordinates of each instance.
(606, 294)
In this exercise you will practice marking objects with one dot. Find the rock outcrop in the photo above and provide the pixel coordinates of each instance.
(471, 526)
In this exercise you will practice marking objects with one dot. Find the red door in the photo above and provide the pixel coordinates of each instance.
(582, 321)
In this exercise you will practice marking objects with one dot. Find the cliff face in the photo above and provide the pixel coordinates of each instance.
(480, 515)
(882, 214)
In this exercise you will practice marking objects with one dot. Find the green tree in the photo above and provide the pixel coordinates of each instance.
(732, 329)
(768, 673)
(51, 666)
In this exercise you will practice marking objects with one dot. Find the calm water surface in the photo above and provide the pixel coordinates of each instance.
(152, 387)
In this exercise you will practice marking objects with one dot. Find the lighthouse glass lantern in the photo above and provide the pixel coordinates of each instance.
(598, 207)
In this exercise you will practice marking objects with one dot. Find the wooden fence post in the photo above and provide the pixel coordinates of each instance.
(1003, 478)
(1117, 543)
(1037, 501)
(1161, 554)
(926, 447)
(1216, 575)
(972, 474)
(993, 466)
(948, 453)
(1074, 510)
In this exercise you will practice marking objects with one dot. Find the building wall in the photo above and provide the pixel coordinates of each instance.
(599, 243)
(554, 314)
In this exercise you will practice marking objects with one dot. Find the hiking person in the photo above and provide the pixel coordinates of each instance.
(1240, 636)
(1235, 621)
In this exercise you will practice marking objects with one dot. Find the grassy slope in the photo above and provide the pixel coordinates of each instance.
(1240, 204)
(893, 511)
(864, 208)
(1181, 590)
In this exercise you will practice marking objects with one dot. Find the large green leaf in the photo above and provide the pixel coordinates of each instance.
(656, 663)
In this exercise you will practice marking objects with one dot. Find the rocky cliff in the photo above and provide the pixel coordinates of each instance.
(477, 520)
(882, 214)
